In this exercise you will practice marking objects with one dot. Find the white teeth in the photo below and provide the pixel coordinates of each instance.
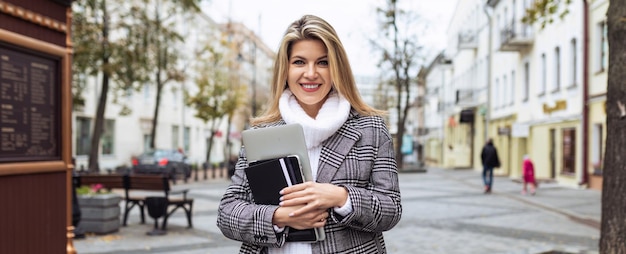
(309, 86)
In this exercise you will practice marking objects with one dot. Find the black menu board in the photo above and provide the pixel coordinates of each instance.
(30, 107)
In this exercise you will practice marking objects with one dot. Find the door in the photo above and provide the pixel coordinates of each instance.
(569, 151)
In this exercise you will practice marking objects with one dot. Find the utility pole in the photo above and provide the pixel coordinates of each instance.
(489, 64)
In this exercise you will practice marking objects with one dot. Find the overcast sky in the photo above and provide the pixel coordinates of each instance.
(352, 19)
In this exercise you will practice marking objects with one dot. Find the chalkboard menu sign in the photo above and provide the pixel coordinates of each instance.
(30, 86)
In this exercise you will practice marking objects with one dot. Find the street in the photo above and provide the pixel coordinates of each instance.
(444, 211)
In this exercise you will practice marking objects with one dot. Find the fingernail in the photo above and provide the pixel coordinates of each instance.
(291, 215)
(280, 204)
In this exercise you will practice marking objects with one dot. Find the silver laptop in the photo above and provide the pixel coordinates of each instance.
(277, 141)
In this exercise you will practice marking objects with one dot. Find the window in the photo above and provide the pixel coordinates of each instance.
(602, 47)
(574, 63)
(186, 138)
(526, 81)
(175, 137)
(108, 137)
(512, 89)
(83, 135)
(569, 151)
(503, 92)
(175, 97)
(146, 141)
(557, 70)
(495, 95)
(146, 91)
(542, 85)
(527, 28)
(596, 148)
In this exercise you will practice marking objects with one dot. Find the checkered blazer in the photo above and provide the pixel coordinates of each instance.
(360, 157)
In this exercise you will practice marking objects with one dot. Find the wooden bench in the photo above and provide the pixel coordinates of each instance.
(141, 182)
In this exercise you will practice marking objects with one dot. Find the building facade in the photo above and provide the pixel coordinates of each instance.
(537, 91)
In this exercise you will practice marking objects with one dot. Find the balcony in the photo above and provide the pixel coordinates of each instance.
(468, 40)
(516, 36)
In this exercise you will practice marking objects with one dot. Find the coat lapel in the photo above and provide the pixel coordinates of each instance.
(336, 148)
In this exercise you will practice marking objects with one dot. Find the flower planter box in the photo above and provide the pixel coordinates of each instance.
(100, 213)
(595, 182)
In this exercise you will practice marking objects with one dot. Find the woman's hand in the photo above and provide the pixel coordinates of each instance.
(312, 196)
(312, 219)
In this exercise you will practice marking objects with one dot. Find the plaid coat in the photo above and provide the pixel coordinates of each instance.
(360, 157)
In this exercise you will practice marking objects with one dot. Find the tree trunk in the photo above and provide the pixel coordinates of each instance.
(613, 230)
(98, 125)
(102, 102)
(210, 146)
(160, 63)
(214, 125)
(157, 104)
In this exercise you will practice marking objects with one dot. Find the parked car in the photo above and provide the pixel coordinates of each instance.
(170, 162)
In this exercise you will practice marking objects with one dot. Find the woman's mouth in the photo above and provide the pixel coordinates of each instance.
(310, 86)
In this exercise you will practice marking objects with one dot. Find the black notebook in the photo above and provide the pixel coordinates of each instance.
(267, 177)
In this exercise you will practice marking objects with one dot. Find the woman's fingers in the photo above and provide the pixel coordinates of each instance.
(309, 220)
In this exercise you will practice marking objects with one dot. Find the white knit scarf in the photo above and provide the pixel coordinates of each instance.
(332, 115)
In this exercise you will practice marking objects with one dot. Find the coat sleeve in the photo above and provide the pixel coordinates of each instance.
(376, 205)
(240, 219)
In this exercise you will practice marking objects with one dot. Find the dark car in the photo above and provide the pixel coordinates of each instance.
(170, 162)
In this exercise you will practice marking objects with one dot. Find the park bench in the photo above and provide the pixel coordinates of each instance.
(132, 184)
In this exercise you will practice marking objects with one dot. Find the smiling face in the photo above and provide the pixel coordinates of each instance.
(309, 74)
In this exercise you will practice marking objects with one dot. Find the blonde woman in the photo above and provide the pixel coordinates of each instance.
(355, 196)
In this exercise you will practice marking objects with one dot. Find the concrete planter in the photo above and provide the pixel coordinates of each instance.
(100, 213)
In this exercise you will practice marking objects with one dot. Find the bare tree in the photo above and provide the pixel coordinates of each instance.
(400, 52)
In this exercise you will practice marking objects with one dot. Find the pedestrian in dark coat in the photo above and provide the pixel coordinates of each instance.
(490, 160)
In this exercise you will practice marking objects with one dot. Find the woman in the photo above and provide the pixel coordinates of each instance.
(529, 176)
(356, 195)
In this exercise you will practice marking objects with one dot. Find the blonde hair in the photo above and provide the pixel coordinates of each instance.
(311, 27)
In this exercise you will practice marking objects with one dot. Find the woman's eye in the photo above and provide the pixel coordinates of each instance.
(298, 62)
(323, 62)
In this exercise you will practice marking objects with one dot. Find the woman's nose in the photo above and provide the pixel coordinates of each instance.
(311, 71)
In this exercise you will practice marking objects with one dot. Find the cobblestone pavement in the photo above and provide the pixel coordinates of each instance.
(444, 211)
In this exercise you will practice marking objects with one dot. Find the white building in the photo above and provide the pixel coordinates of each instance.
(521, 85)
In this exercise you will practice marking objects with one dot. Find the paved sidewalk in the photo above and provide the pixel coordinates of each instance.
(444, 211)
